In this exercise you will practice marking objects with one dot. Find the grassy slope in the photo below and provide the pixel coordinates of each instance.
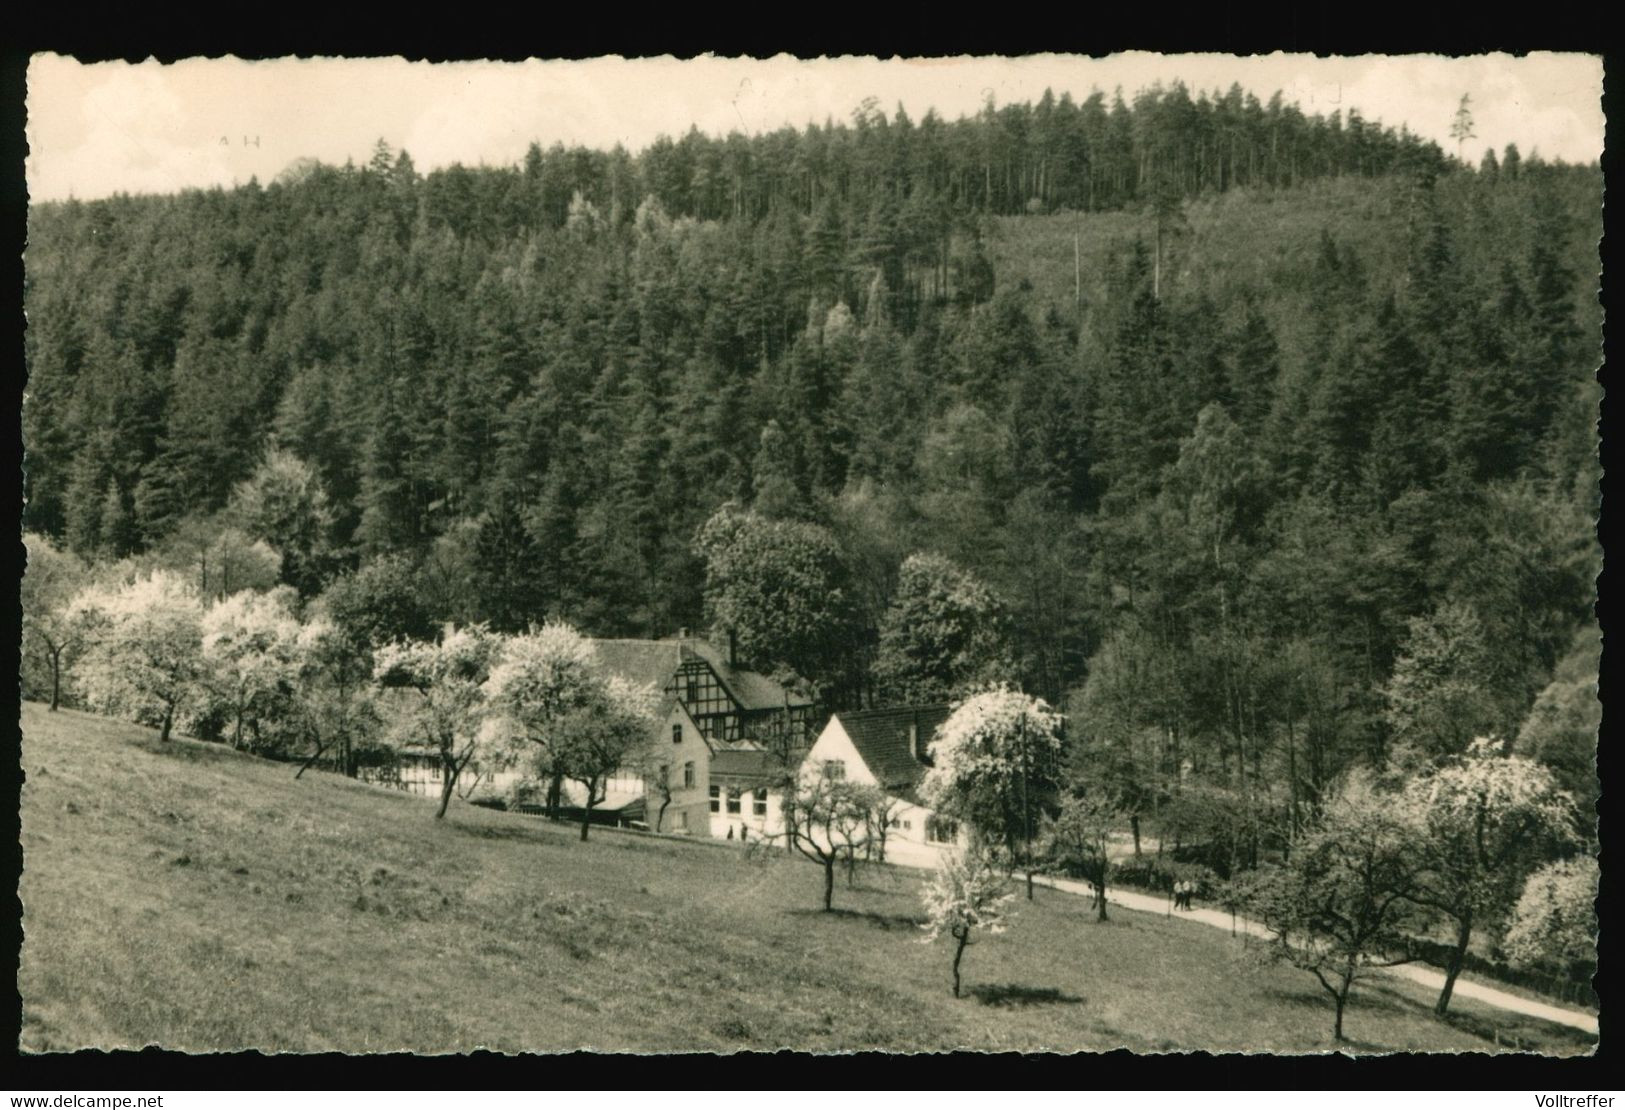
(187, 896)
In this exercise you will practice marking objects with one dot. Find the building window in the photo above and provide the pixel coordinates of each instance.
(941, 830)
(758, 804)
(682, 819)
(676, 734)
(834, 769)
(692, 691)
(716, 798)
(733, 799)
(688, 774)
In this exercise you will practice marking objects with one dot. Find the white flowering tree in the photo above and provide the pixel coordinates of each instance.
(539, 677)
(52, 580)
(250, 661)
(146, 655)
(1554, 924)
(449, 708)
(966, 893)
(555, 709)
(1485, 820)
(996, 765)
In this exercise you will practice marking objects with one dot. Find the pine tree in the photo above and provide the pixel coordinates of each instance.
(389, 514)
(1461, 126)
(507, 559)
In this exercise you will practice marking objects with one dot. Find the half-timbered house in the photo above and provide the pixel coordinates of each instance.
(729, 734)
(724, 735)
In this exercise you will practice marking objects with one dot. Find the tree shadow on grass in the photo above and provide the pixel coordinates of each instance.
(887, 921)
(1013, 995)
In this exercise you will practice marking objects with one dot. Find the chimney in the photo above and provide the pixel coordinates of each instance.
(914, 738)
(733, 648)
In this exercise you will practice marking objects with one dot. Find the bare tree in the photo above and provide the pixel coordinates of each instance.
(1077, 840)
(882, 812)
(593, 741)
(826, 821)
(52, 579)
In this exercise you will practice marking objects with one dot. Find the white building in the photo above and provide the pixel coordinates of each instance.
(889, 748)
(723, 737)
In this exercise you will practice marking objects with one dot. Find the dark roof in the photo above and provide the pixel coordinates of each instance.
(642, 662)
(753, 689)
(654, 662)
(882, 739)
(745, 763)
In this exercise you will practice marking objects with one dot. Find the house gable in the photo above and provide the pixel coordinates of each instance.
(728, 702)
(875, 748)
(834, 746)
(682, 755)
(893, 744)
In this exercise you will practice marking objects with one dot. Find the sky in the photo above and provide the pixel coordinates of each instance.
(94, 130)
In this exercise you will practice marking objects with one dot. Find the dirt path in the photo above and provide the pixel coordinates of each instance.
(1428, 977)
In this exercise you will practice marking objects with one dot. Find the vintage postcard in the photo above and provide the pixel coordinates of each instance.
(1050, 554)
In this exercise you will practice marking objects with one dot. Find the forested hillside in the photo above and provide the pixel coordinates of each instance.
(1263, 442)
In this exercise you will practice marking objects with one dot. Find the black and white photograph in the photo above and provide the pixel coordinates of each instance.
(1043, 554)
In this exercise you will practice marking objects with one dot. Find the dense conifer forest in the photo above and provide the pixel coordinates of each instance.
(1262, 443)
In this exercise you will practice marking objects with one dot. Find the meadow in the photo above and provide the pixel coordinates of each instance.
(191, 897)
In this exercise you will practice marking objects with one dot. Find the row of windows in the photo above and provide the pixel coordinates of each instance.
(758, 801)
